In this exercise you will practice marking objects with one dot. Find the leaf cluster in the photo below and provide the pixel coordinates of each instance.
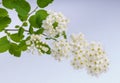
(15, 43)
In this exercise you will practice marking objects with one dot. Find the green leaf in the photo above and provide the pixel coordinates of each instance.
(64, 34)
(55, 24)
(23, 18)
(22, 45)
(36, 20)
(25, 24)
(40, 16)
(15, 37)
(44, 3)
(31, 30)
(17, 26)
(20, 32)
(21, 6)
(4, 21)
(8, 3)
(32, 21)
(28, 38)
(4, 44)
(40, 31)
(15, 50)
(3, 12)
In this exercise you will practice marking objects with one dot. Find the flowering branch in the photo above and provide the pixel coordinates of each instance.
(15, 30)
(49, 25)
(33, 11)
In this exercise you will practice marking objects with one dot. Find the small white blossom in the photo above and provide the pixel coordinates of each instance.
(60, 26)
(78, 47)
(79, 62)
(28, 42)
(60, 49)
(97, 59)
(36, 43)
(90, 56)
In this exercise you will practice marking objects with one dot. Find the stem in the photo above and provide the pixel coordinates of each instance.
(50, 37)
(33, 11)
(15, 30)
(0, 2)
(28, 31)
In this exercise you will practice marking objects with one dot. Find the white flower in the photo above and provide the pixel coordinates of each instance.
(97, 61)
(90, 56)
(54, 24)
(78, 44)
(78, 48)
(35, 43)
(28, 42)
(34, 37)
(60, 49)
(79, 61)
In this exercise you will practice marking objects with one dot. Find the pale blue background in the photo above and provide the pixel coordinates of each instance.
(99, 20)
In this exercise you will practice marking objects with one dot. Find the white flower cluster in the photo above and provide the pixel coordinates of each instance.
(60, 49)
(90, 56)
(35, 43)
(54, 24)
(97, 61)
(78, 49)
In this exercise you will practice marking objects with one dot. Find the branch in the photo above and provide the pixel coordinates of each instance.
(15, 30)
(50, 37)
(28, 31)
(0, 2)
(33, 11)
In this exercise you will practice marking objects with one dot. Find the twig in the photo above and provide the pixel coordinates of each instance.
(33, 10)
(15, 30)
(50, 37)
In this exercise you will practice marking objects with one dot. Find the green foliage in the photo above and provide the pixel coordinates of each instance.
(36, 20)
(23, 18)
(55, 24)
(4, 44)
(64, 34)
(31, 30)
(33, 22)
(22, 45)
(16, 38)
(20, 32)
(44, 3)
(22, 7)
(8, 3)
(4, 19)
(17, 26)
(40, 31)
(3, 12)
(15, 50)
(25, 24)
(40, 16)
